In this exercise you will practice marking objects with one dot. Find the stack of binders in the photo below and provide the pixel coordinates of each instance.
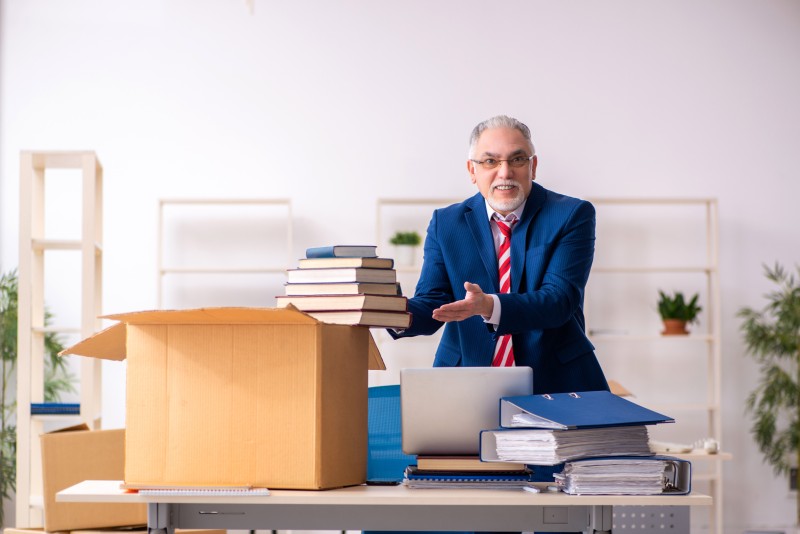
(602, 437)
(347, 284)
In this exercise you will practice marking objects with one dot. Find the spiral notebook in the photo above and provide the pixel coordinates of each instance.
(227, 491)
(417, 479)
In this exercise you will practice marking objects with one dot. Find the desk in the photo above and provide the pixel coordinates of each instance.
(379, 508)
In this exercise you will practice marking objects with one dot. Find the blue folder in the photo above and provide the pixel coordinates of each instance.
(586, 409)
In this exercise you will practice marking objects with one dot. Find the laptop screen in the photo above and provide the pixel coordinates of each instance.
(443, 409)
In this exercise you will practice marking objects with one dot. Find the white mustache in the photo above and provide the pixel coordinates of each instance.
(501, 184)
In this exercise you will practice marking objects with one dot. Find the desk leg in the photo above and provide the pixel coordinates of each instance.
(159, 520)
(599, 519)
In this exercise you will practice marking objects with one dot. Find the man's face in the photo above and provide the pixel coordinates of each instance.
(506, 186)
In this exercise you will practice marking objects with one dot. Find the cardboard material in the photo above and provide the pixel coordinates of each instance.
(76, 454)
(255, 397)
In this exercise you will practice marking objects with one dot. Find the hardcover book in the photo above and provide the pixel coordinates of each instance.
(343, 288)
(319, 263)
(338, 251)
(343, 302)
(334, 275)
(364, 318)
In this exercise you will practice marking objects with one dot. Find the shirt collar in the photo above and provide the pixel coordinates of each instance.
(517, 212)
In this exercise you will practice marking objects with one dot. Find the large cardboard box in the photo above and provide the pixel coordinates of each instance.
(76, 454)
(257, 397)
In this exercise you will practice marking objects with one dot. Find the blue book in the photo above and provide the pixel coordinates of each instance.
(586, 409)
(343, 251)
(55, 408)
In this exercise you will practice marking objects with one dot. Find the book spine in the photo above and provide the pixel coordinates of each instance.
(52, 408)
(321, 252)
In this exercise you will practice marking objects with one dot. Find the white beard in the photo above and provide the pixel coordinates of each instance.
(506, 206)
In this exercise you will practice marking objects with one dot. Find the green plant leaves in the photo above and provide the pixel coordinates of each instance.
(772, 337)
(57, 380)
(676, 307)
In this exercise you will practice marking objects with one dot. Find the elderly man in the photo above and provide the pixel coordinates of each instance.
(505, 270)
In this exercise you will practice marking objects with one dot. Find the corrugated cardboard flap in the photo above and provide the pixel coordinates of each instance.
(108, 344)
(375, 358)
(227, 315)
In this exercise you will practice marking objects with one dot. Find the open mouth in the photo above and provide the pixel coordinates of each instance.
(505, 187)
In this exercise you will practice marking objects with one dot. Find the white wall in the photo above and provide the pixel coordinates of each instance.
(336, 103)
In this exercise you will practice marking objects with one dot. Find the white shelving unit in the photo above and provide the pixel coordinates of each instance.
(646, 244)
(222, 265)
(31, 328)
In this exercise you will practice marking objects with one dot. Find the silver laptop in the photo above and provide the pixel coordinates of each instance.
(443, 409)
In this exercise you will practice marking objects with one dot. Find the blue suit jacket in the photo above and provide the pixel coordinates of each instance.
(552, 247)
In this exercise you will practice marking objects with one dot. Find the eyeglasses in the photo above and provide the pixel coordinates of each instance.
(491, 163)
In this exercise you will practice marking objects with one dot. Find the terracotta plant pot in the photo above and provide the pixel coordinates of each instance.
(674, 327)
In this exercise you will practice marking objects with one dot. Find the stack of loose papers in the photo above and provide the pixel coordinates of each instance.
(551, 447)
(613, 476)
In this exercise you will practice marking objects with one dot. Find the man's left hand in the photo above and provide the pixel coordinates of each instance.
(475, 303)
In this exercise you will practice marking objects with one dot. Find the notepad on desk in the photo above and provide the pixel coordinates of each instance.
(194, 490)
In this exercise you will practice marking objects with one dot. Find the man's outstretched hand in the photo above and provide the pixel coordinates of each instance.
(475, 303)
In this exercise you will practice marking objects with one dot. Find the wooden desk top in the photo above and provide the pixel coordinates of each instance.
(109, 491)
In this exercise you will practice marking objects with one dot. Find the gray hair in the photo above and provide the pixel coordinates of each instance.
(499, 121)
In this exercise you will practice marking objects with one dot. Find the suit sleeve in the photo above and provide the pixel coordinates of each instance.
(554, 302)
(433, 288)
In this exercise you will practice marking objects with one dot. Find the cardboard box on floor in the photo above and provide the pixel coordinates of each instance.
(76, 454)
(256, 397)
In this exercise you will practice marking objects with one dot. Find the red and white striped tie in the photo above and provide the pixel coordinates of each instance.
(504, 351)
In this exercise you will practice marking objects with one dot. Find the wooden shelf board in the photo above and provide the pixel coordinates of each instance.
(61, 159)
(56, 330)
(222, 270)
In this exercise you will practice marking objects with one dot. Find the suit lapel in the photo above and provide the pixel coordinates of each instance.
(520, 235)
(478, 223)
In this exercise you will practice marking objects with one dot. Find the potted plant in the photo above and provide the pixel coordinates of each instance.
(772, 336)
(57, 381)
(676, 312)
(406, 244)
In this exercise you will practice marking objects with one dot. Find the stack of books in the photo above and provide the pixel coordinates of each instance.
(347, 284)
(465, 472)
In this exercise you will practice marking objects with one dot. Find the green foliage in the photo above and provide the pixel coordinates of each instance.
(57, 380)
(772, 336)
(406, 238)
(676, 307)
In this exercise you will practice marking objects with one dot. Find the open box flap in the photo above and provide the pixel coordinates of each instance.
(375, 359)
(108, 344)
(226, 315)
